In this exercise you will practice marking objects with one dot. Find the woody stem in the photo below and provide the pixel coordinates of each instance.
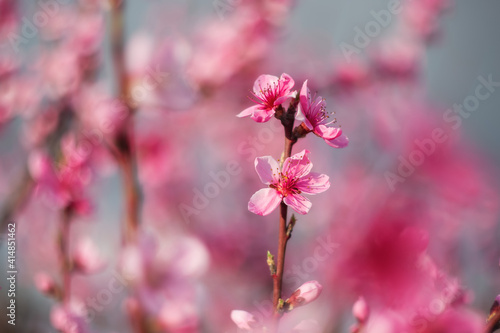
(287, 120)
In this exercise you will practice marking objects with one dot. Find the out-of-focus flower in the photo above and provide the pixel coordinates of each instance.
(243, 319)
(387, 322)
(179, 315)
(453, 321)
(315, 118)
(222, 49)
(270, 92)
(306, 293)
(397, 57)
(62, 186)
(60, 83)
(360, 310)
(45, 283)
(352, 74)
(294, 178)
(69, 318)
(86, 257)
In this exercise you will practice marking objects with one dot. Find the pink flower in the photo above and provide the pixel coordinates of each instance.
(307, 293)
(270, 92)
(315, 118)
(294, 178)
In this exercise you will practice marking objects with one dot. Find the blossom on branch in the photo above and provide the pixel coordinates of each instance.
(286, 185)
(312, 113)
(270, 92)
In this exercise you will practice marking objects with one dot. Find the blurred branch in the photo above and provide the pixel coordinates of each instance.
(124, 143)
(24, 187)
(64, 258)
(493, 321)
(124, 150)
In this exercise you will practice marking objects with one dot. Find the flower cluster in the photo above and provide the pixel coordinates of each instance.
(287, 180)
(294, 176)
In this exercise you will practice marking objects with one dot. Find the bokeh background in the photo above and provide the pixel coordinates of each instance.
(424, 253)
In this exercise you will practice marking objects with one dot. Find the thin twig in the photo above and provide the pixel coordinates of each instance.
(287, 119)
(64, 257)
(492, 323)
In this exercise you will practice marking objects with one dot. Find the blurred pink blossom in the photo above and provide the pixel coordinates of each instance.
(45, 283)
(361, 310)
(86, 257)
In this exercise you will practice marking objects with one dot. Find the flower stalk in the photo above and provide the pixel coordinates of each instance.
(291, 177)
(287, 120)
(64, 257)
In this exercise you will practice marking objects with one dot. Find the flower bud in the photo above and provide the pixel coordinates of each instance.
(45, 283)
(306, 293)
(360, 310)
(243, 319)
(86, 258)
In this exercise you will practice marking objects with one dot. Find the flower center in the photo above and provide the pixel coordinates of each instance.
(286, 185)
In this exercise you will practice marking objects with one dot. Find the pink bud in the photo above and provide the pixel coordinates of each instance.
(243, 319)
(87, 258)
(45, 283)
(306, 293)
(360, 310)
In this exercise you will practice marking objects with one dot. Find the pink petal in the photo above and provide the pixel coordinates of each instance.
(262, 115)
(264, 201)
(313, 183)
(263, 82)
(248, 111)
(242, 319)
(305, 96)
(300, 204)
(309, 291)
(339, 142)
(284, 98)
(301, 116)
(327, 133)
(297, 165)
(307, 326)
(268, 169)
(287, 81)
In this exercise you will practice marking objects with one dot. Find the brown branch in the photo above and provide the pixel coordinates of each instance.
(124, 150)
(287, 119)
(64, 256)
(493, 323)
(124, 141)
